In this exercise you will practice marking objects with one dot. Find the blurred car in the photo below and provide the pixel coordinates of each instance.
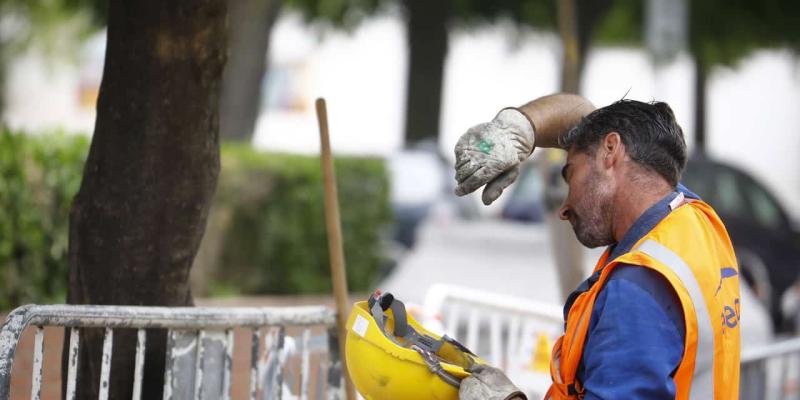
(417, 181)
(525, 201)
(421, 185)
(766, 243)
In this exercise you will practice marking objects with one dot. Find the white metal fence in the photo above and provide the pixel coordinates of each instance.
(200, 345)
(771, 372)
(513, 332)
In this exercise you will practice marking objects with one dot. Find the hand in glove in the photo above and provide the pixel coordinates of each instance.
(488, 383)
(490, 153)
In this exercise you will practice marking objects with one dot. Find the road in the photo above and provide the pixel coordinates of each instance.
(487, 254)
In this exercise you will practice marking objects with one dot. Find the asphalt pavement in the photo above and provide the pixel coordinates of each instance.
(487, 254)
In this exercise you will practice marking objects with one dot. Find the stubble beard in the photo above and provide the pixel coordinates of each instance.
(592, 223)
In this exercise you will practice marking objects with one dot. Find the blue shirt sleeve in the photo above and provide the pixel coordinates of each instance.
(636, 338)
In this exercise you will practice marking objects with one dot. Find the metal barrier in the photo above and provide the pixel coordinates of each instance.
(505, 328)
(771, 371)
(200, 346)
(512, 333)
(509, 320)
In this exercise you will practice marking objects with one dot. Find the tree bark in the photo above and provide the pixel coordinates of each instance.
(576, 22)
(589, 13)
(567, 250)
(427, 43)
(568, 30)
(700, 79)
(248, 44)
(140, 213)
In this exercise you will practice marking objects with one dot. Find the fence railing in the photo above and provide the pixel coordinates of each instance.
(512, 333)
(772, 371)
(505, 329)
(200, 345)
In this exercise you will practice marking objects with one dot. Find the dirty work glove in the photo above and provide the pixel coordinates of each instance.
(488, 383)
(490, 153)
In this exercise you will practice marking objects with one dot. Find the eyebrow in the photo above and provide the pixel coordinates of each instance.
(564, 171)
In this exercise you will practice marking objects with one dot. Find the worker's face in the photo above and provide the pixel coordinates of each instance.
(589, 201)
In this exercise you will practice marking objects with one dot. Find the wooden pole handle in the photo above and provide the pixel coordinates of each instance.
(335, 250)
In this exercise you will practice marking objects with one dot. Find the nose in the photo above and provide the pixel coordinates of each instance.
(564, 212)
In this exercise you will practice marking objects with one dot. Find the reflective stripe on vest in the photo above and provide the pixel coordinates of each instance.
(703, 377)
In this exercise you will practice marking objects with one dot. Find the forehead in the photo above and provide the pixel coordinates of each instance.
(575, 160)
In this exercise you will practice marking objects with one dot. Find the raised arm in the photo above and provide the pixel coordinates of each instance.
(555, 115)
(490, 153)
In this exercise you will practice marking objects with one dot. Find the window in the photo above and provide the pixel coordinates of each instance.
(765, 211)
(728, 195)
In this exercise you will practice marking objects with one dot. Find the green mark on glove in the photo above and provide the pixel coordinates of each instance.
(485, 146)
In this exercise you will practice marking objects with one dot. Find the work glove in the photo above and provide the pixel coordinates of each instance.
(488, 383)
(490, 154)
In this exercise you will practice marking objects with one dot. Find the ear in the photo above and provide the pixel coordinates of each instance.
(612, 149)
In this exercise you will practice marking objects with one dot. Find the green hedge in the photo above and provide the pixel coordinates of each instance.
(266, 232)
(39, 175)
(269, 220)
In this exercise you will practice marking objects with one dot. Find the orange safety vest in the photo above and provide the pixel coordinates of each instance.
(691, 249)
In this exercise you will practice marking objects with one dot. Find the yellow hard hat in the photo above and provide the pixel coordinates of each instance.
(392, 357)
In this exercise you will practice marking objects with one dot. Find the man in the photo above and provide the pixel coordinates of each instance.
(659, 317)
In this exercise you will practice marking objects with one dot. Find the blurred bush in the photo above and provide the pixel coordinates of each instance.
(266, 232)
(39, 175)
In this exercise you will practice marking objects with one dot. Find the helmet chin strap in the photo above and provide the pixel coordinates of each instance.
(425, 345)
(435, 366)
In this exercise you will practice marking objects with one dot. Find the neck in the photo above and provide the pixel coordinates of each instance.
(628, 208)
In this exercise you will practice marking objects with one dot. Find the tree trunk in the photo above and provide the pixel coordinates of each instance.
(568, 30)
(576, 22)
(427, 42)
(566, 248)
(700, 78)
(137, 220)
(589, 13)
(248, 44)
